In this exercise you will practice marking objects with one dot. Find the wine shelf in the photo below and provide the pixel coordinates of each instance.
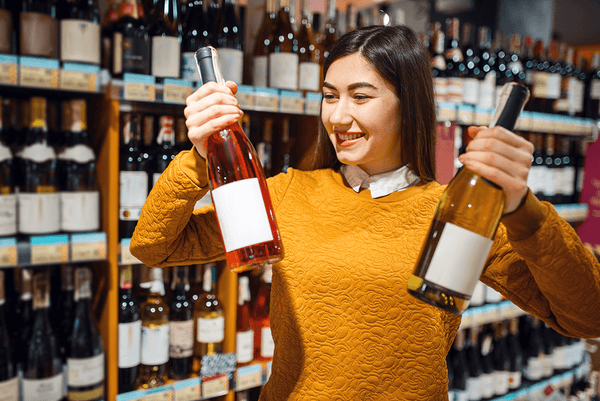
(480, 315)
(38, 250)
(464, 114)
(531, 391)
(574, 212)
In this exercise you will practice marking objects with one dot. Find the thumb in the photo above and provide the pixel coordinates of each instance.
(473, 130)
(232, 85)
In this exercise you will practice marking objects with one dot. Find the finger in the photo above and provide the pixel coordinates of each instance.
(232, 86)
(207, 89)
(495, 145)
(473, 130)
(505, 135)
(497, 162)
(204, 117)
(214, 125)
(214, 99)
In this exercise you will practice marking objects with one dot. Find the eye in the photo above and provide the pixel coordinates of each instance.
(329, 96)
(360, 97)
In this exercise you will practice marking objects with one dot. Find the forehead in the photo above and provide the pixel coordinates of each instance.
(353, 68)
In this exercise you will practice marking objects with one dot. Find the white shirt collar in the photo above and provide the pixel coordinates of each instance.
(379, 184)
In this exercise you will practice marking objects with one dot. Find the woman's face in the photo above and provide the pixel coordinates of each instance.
(360, 111)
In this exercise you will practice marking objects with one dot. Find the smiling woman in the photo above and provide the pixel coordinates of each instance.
(343, 323)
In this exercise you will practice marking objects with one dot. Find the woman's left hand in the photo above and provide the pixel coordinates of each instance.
(502, 157)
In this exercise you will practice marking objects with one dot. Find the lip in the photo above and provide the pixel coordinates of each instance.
(348, 142)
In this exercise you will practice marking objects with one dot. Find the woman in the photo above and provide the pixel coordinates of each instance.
(343, 323)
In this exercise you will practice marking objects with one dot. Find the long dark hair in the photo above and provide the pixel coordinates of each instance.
(398, 55)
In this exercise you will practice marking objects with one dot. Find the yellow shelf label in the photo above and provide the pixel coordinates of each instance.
(88, 251)
(176, 93)
(8, 74)
(78, 81)
(215, 386)
(188, 393)
(39, 77)
(268, 103)
(249, 380)
(139, 91)
(159, 396)
(127, 258)
(8, 256)
(291, 105)
(49, 254)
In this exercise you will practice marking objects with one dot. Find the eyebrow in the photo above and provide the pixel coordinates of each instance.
(353, 86)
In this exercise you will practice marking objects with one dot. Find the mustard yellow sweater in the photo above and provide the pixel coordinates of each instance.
(344, 326)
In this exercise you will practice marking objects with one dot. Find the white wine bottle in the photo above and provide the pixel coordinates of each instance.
(239, 189)
(465, 222)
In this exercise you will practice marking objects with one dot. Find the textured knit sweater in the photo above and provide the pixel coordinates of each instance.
(343, 323)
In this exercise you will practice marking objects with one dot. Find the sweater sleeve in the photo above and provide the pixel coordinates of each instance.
(170, 231)
(540, 264)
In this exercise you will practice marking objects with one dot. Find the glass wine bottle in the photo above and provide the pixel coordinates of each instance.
(438, 63)
(155, 335)
(210, 319)
(24, 311)
(475, 379)
(501, 359)
(42, 372)
(515, 355)
(165, 153)
(454, 58)
(244, 338)
(9, 380)
(130, 332)
(465, 222)
(6, 29)
(85, 357)
(309, 78)
(487, 77)
(470, 66)
(488, 376)
(67, 308)
(166, 39)
(265, 147)
(260, 55)
(80, 33)
(239, 192)
(283, 59)
(133, 178)
(196, 34)
(131, 41)
(38, 200)
(38, 29)
(330, 34)
(108, 25)
(79, 196)
(229, 41)
(460, 367)
(8, 198)
(261, 323)
(181, 330)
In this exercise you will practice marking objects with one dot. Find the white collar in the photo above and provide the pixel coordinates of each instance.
(379, 184)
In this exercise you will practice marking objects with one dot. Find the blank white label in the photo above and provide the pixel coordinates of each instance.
(85, 371)
(8, 214)
(471, 91)
(50, 389)
(155, 345)
(130, 344)
(283, 71)
(553, 86)
(458, 259)
(79, 41)
(595, 89)
(310, 76)
(244, 346)
(211, 330)
(80, 211)
(9, 390)
(231, 62)
(166, 56)
(260, 71)
(133, 191)
(242, 214)
(487, 91)
(267, 345)
(39, 213)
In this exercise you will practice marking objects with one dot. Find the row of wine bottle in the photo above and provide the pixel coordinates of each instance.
(164, 336)
(46, 188)
(489, 361)
(472, 69)
(556, 173)
(51, 349)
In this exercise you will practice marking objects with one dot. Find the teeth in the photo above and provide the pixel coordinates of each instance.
(349, 137)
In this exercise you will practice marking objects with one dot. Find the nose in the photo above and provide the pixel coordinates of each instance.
(340, 116)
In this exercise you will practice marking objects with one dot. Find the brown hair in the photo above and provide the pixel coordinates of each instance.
(398, 55)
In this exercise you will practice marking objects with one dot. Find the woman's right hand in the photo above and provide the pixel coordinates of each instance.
(211, 108)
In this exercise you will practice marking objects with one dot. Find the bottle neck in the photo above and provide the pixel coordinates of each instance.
(41, 292)
(166, 134)
(131, 130)
(2, 296)
(83, 284)
(209, 282)
(180, 283)
(157, 287)
(67, 278)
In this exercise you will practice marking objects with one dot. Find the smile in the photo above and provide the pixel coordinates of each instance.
(350, 136)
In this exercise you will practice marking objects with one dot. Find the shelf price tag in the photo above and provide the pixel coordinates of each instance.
(245, 96)
(49, 249)
(8, 251)
(187, 390)
(465, 114)
(139, 87)
(88, 246)
(483, 116)
(291, 102)
(176, 90)
(39, 72)
(446, 111)
(126, 257)
(79, 77)
(248, 377)
(266, 99)
(8, 69)
(312, 103)
(214, 386)
(164, 393)
(137, 395)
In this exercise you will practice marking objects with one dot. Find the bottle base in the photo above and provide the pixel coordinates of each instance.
(437, 296)
(254, 256)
